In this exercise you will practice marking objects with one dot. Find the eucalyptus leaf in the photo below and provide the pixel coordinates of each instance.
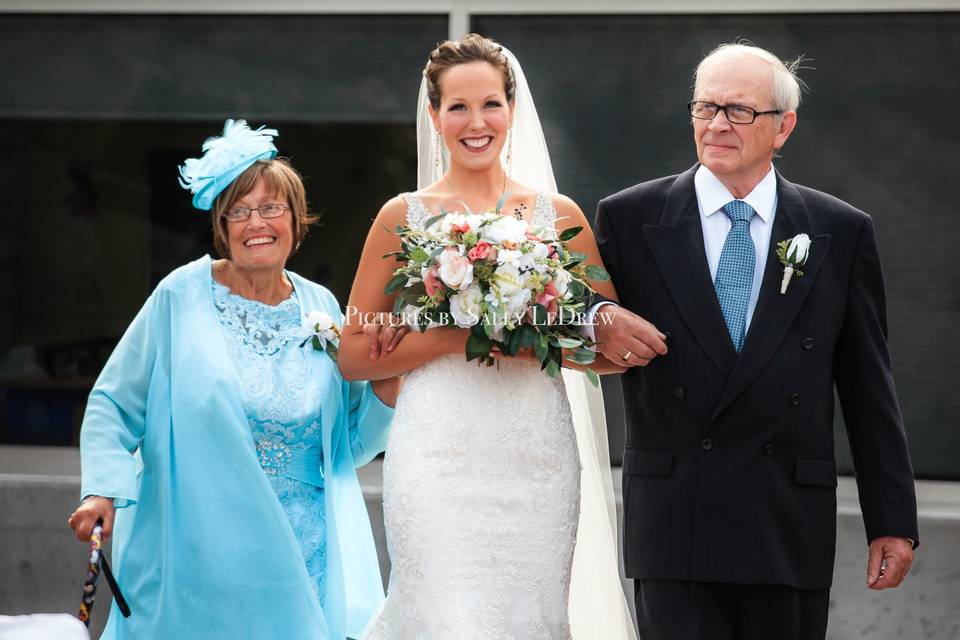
(597, 273)
(396, 283)
(593, 377)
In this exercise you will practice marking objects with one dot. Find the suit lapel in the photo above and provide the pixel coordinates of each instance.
(774, 313)
(677, 247)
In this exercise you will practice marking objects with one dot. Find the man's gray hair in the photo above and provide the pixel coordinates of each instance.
(786, 84)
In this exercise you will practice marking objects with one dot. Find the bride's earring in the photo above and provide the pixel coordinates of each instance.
(509, 151)
(436, 153)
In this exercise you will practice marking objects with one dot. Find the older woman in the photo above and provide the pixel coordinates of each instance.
(223, 434)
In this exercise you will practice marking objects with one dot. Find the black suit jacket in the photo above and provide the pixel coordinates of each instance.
(729, 473)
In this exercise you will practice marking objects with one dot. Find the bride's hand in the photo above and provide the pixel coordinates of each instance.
(384, 334)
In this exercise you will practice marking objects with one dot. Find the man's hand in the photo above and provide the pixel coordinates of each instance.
(627, 339)
(85, 517)
(889, 562)
(384, 334)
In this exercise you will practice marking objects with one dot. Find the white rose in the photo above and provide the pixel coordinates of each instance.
(515, 305)
(562, 280)
(798, 250)
(319, 321)
(456, 270)
(507, 280)
(465, 307)
(510, 256)
(506, 229)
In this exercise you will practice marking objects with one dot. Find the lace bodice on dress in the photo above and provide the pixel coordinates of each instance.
(280, 397)
(544, 213)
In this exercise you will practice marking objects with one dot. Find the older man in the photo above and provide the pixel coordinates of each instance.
(729, 474)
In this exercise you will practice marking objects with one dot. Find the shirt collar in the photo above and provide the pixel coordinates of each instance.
(712, 195)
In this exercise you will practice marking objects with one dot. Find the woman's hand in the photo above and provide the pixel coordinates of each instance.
(85, 517)
(384, 333)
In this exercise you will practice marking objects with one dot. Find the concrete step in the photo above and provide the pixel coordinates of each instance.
(43, 565)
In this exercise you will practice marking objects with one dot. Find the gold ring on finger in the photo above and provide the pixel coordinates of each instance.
(626, 357)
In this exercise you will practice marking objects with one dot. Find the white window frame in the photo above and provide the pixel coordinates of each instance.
(460, 11)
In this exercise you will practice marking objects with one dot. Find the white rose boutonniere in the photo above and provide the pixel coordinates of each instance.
(322, 333)
(793, 254)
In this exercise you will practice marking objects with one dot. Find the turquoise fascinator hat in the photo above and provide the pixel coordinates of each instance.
(224, 159)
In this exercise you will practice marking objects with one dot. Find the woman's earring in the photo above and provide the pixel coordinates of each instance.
(436, 153)
(509, 151)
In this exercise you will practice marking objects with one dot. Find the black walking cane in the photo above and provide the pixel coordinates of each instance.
(93, 572)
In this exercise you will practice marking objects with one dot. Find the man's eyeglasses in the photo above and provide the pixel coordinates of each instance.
(266, 211)
(736, 114)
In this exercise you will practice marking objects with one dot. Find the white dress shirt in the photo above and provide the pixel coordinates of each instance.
(711, 197)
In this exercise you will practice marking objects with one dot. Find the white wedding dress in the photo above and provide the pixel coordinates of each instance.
(481, 498)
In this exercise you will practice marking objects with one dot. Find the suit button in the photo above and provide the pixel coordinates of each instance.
(769, 448)
(680, 392)
(795, 399)
(706, 444)
(807, 344)
(668, 335)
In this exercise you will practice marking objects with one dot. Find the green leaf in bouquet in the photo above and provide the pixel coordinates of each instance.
(399, 304)
(487, 329)
(576, 289)
(502, 201)
(511, 341)
(316, 343)
(568, 234)
(568, 343)
(419, 255)
(597, 273)
(415, 290)
(593, 377)
(528, 336)
(541, 348)
(574, 258)
(437, 218)
(478, 344)
(553, 369)
(396, 283)
(582, 356)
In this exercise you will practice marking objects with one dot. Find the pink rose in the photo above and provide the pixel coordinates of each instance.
(456, 270)
(480, 252)
(431, 281)
(548, 299)
(531, 236)
(463, 227)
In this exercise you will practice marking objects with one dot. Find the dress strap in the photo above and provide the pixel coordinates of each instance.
(417, 212)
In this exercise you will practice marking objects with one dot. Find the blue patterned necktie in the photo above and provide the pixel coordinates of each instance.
(734, 281)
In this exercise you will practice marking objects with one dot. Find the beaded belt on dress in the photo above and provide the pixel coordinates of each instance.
(277, 458)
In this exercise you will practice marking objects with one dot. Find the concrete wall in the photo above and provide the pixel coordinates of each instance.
(42, 565)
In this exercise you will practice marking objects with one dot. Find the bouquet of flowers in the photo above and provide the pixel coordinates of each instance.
(513, 285)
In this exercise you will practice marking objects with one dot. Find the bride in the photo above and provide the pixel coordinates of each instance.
(483, 492)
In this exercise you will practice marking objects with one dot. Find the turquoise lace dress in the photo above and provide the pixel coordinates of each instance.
(282, 403)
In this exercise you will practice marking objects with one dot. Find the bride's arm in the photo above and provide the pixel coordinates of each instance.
(367, 297)
(570, 215)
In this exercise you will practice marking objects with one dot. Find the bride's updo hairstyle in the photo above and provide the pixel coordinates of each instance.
(471, 48)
